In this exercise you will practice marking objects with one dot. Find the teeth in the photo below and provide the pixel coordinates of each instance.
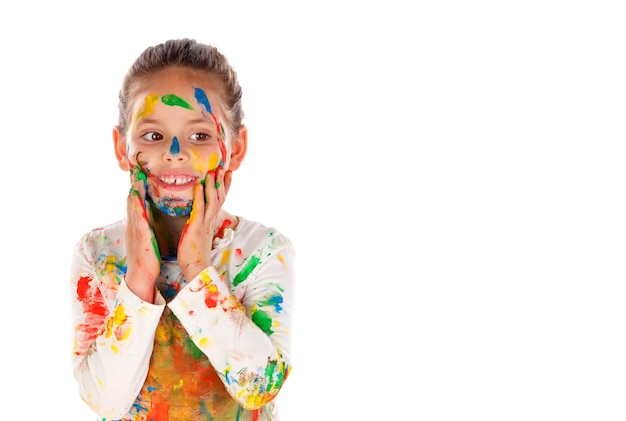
(176, 179)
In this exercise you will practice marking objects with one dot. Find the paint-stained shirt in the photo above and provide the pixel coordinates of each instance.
(212, 348)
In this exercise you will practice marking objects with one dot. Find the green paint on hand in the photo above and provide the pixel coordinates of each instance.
(217, 185)
(252, 262)
(175, 101)
(155, 245)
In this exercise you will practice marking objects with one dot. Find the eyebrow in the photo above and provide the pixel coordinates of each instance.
(153, 120)
(148, 120)
(201, 120)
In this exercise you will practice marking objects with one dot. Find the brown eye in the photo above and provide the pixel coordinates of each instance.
(200, 137)
(152, 136)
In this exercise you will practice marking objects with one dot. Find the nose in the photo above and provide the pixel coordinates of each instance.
(174, 153)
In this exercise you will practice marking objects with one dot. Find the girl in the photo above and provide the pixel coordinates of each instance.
(182, 310)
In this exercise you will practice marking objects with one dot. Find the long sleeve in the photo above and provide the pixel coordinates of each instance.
(242, 321)
(113, 329)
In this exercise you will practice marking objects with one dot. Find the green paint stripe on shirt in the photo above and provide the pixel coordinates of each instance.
(263, 320)
(252, 262)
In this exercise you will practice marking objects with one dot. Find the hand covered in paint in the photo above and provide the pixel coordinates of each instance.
(196, 242)
(143, 260)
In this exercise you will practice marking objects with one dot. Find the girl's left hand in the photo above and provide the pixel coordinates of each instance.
(196, 241)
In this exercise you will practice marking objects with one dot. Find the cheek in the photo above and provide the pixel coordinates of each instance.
(137, 155)
(214, 161)
(206, 160)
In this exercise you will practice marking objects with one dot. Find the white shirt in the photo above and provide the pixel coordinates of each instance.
(216, 347)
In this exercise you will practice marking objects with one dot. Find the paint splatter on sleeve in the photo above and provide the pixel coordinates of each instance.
(113, 329)
(248, 340)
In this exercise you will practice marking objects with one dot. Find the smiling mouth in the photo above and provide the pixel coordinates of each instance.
(176, 180)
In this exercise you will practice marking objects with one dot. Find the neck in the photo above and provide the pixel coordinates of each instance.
(167, 231)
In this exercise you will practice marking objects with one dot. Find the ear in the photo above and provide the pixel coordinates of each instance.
(238, 148)
(119, 144)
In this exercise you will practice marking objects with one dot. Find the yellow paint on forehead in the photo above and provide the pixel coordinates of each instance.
(148, 107)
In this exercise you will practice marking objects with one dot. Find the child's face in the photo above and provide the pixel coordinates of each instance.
(176, 136)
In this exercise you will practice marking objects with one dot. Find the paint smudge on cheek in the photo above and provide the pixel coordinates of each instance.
(214, 161)
(140, 173)
(197, 162)
(175, 148)
(175, 101)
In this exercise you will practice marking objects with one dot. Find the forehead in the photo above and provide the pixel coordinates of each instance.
(186, 84)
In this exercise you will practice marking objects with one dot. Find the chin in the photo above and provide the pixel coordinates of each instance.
(173, 206)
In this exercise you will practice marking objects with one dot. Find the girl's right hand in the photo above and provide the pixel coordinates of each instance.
(143, 260)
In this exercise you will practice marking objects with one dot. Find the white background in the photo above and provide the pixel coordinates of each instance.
(452, 174)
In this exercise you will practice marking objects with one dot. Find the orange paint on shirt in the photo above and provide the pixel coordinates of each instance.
(181, 383)
(281, 259)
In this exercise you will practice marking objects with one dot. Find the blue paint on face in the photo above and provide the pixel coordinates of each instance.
(172, 206)
(175, 148)
(203, 99)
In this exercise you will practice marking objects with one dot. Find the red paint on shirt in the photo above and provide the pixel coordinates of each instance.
(220, 232)
(94, 309)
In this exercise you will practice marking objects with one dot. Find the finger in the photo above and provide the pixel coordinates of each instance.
(209, 187)
(219, 184)
(222, 190)
(197, 207)
(212, 204)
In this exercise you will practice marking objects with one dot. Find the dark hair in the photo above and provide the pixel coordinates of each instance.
(190, 54)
